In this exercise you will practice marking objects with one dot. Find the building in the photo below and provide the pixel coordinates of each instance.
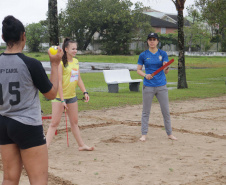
(162, 22)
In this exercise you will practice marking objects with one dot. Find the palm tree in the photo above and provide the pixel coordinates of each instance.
(182, 83)
(53, 23)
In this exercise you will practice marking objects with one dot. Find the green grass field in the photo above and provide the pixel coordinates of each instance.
(202, 83)
(190, 61)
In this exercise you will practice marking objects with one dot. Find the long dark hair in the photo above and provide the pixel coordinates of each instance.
(12, 29)
(66, 42)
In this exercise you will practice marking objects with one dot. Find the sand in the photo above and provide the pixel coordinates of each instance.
(119, 158)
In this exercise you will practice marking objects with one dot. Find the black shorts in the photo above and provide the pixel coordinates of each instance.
(15, 132)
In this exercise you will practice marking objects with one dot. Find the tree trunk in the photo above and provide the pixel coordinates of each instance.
(182, 83)
(223, 42)
(190, 42)
(53, 23)
(88, 40)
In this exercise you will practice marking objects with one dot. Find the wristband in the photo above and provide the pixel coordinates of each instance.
(85, 93)
(145, 76)
(62, 101)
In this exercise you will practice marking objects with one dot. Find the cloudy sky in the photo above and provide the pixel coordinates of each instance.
(32, 11)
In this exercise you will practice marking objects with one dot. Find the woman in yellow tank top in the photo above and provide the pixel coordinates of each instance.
(69, 78)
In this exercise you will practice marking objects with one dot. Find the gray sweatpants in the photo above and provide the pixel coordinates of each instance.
(161, 93)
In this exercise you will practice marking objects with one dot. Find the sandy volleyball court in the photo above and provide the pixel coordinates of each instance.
(198, 157)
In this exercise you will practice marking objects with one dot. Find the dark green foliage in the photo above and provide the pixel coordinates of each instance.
(213, 12)
(197, 35)
(167, 39)
(113, 20)
(35, 34)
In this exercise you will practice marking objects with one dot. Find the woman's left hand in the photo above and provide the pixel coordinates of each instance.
(86, 97)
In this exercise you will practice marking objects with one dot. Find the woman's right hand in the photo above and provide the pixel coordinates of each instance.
(148, 76)
(64, 105)
(55, 59)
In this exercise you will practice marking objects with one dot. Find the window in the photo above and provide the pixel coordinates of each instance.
(163, 30)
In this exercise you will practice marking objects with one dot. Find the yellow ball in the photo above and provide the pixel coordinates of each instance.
(53, 50)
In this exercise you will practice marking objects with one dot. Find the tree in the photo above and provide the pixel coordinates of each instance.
(45, 36)
(35, 33)
(81, 20)
(53, 23)
(198, 34)
(167, 39)
(128, 25)
(182, 83)
(117, 34)
(192, 30)
(112, 19)
(141, 26)
(213, 11)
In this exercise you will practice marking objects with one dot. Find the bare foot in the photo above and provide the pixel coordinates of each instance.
(85, 148)
(172, 137)
(143, 138)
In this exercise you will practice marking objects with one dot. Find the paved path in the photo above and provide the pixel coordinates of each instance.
(92, 67)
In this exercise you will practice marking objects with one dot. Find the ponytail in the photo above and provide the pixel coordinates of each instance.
(66, 42)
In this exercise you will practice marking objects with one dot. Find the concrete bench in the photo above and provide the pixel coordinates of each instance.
(115, 77)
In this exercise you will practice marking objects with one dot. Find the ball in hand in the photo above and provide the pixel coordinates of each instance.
(53, 50)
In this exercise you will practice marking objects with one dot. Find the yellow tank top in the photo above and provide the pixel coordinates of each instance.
(70, 79)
